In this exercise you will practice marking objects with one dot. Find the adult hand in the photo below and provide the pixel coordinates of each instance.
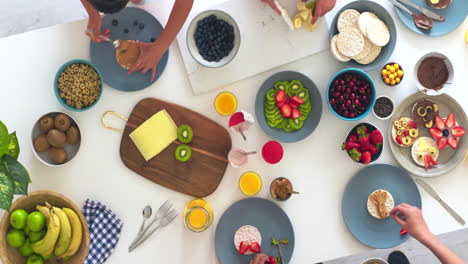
(412, 220)
(259, 259)
(272, 4)
(94, 29)
(150, 55)
(321, 8)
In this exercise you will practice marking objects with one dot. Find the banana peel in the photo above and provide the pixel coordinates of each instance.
(304, 14)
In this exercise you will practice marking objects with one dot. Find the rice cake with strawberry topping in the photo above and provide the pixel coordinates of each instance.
(249, 234)
(403, 128)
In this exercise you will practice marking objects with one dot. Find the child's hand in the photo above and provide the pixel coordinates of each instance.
(94, 29)
(150, 55)
(411, 219)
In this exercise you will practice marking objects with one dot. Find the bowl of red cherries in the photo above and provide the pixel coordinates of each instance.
(351, 94)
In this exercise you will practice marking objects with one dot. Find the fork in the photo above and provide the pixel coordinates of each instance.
(162, 212)
(164, 222)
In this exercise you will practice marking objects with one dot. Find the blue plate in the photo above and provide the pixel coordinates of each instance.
(454, 15)
(103, 54)
(382, 13)
(310, 123)
(365, 228)
(263, 214)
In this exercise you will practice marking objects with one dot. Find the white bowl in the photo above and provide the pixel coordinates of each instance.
(447, 85)
(375, 260)
(72, 150)
(192, 47)
(393, 111)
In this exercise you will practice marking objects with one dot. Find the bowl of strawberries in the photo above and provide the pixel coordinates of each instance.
(364, 143)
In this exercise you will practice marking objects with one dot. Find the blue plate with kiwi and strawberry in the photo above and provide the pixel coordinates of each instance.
(288, 106)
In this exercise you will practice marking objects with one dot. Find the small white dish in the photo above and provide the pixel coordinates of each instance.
(393, 110)
(192, 47)
(447, 84)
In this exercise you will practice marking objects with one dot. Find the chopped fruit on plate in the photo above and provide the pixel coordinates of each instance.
(255, 247)
(446, 132)
(405, 132)
(425, 152)
(244, 246)
(363, 144)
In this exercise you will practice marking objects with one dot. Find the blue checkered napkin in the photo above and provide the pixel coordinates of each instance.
(104, 229)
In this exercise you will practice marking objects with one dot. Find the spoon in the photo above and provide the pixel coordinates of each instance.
(147, 212)
(421, 21)
(249, 153)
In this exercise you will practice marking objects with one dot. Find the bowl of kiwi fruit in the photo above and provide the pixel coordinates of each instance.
(55, 139)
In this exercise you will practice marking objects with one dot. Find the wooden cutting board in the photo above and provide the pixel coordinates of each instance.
(201, 175)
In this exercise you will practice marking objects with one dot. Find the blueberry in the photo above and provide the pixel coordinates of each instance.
(153, 39)
(126, 30)
(445, 132)
(115, 22)
(135, 23)
(141, 26)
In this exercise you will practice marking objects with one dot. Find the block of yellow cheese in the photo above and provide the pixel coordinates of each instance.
(155, 134)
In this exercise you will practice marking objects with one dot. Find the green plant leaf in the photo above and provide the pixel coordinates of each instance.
(6, 189)
(17, 174)
(3, 139)
(13, 146)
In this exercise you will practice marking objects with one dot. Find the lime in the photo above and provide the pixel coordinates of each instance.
(16, 238)
(36, 236)
(25, 250)
(36, 221)
(35, 259)
(18, 218)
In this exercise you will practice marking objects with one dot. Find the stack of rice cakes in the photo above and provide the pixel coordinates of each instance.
(361, 37)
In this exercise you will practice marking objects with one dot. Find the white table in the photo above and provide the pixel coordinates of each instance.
(316, 166)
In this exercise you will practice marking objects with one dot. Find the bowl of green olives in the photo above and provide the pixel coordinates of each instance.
(55, 138)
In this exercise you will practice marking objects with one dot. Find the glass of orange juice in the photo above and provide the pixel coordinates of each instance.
(198, 215)
(225, 103)
(250, 183)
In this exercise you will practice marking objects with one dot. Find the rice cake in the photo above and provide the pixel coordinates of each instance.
(348, 19)
(249, 234)
(350, 42)
(372, 207)
(377, 32)
(423, 145)
(365, 50)
(335, 52)
(127, 53)
(363, 21)
(374, 52)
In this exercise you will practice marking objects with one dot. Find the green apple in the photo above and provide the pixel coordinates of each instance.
(35, 259)
(51, 255)
(16, 238)
(27, 230)
(18, 218)
(25, 250)
(36, 236)
(36, 221)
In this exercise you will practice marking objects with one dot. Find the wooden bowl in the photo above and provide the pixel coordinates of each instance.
(10, 255)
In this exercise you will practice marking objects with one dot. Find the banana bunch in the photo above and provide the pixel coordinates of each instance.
(64, 233)
(304, 14)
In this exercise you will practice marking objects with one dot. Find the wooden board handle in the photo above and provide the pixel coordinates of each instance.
(103, 120)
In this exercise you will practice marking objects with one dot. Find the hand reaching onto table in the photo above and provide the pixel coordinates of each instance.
(150, 55)
(411, 219)
(321, 8)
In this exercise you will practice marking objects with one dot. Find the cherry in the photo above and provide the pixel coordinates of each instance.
(345, 113)
(348, 103)
(342, 82)
(339, 88)
(336, 82)
(368, 90)
(332, 101)
(342, 106)
(364, 98)
(355, 79)
(351, 84)
(352, 115)
(352, 95)
(336, 94)
(341, 99)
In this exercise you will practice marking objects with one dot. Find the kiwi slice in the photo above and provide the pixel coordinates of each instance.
(185, 134)
(270, 95)
(296, 123)
(283, 85)
(304, 94)
(295, 86)
(288, 128)
(183, 153)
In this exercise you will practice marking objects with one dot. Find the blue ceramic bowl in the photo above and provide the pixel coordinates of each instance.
(56, 89)
(382, 13)
(361, 74)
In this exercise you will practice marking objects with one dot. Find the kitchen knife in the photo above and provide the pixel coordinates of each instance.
(424, 11)
(433, 193)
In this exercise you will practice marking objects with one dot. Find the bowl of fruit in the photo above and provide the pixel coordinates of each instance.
(351, 94)
(43, 227)
(364, 143)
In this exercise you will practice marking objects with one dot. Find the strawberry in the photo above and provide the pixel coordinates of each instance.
(442, 143)
(376, 137)
(255, 247)
(412, 124)
(348, 146)
(295, 113)
(398, 140)
(286, 110)
(406, 133)
(436, 133)
(439, 122)
(280, 96)
(353, 138)
(373, 149)
(362, 131)
(293, 105)
(458, 131)
(355, 154)
(453, 142)
(427, 163)
(279, 104)
(364, 143)
(450, 121)
(244, 245)
(403, 232)
(297, 99)
(272, 260)
(431, 160)
(366, 157)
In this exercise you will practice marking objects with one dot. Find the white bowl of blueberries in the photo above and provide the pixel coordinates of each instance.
(213, 38)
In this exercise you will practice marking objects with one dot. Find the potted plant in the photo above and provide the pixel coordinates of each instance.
(14, 178)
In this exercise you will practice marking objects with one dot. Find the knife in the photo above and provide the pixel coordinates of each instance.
(424, 11)
(433, 193)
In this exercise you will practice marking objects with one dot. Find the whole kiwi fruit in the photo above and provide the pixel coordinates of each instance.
(73, 135)
(41, 144)
(56, 138)
(46, 123)
(57, 155)
(62, 122)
